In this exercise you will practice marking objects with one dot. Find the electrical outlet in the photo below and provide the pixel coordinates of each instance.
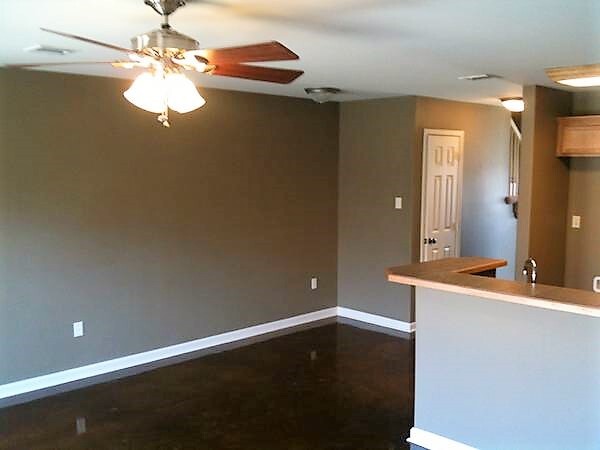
(576, 222)
(597, 285)
(398, 202)
(77, 329)
(80, 425)
(314, 283)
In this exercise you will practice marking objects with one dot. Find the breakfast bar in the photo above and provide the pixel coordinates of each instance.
(502, 364)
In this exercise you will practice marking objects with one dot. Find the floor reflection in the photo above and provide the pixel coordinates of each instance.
(332, 387)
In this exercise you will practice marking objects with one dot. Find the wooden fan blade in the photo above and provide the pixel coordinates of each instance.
(265, 51)
(31, 65)
(89, 41)
(270, 74)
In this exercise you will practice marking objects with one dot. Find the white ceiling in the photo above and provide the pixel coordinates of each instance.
(369, 48)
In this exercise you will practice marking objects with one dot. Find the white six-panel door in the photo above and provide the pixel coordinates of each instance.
(441, 194)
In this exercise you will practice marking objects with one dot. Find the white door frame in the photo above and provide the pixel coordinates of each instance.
(437, 132)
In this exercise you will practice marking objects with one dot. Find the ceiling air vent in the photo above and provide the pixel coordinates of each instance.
(49, 49)
(478, 77)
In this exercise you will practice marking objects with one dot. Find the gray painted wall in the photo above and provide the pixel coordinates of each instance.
(499, 376)
(488, 225)
(380, 157)
(544, 189)
(583, 245)
(155, 236)
(376, 151)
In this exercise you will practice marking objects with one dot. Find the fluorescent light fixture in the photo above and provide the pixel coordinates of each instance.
(576, 76)
(513, 104)
(582, 82)
(322, 94)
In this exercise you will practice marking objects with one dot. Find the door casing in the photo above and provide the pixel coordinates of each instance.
(427, 132)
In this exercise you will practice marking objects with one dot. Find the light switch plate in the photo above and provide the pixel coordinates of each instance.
(576, 222)
(314, 283)
(77, 329)
(398, 202)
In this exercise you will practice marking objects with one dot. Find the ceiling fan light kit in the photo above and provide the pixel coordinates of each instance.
(576, 76)
(165, 54)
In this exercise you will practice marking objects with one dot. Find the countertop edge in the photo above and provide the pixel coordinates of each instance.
(456, 275)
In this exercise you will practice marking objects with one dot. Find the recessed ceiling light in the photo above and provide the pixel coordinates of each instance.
(48, 49)
(478, 77)
(322, 94)
(576, 76)
(513, 104)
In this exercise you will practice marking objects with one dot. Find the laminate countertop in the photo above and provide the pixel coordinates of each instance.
(458, 275)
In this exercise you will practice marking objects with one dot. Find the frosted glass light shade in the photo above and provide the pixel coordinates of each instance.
(513, 104)
(582, 82)
(182, 95)
(148, 92)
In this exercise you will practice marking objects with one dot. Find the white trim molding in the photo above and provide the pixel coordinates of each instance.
(125, 362)
(137, 359)
(432, 441)
(386, 322)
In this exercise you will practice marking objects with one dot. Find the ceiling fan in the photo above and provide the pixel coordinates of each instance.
(167, 54)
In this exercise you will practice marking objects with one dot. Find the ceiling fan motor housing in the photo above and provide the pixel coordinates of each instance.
(164, 38)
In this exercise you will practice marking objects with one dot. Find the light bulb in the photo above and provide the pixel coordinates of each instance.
(148, 92)
(182, 95)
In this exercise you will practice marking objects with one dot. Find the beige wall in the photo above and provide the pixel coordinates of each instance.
(155, 236)
(544, 189)
(583, 245)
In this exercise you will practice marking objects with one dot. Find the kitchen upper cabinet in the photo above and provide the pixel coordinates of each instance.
(578, 136)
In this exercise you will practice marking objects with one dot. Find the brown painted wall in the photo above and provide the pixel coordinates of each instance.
(525, 178)
(376, 151)
(543, 200)
(153, 236)
(583, 245)
(380, 157)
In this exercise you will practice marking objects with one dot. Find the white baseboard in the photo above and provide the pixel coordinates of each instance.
(432, 441)
(126, 362)
(386, 322)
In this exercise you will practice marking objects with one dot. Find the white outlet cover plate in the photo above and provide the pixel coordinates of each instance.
(314, 283)
(576, 222)
(77, 329)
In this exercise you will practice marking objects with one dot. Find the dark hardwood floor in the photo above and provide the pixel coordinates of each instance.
(332, 387)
